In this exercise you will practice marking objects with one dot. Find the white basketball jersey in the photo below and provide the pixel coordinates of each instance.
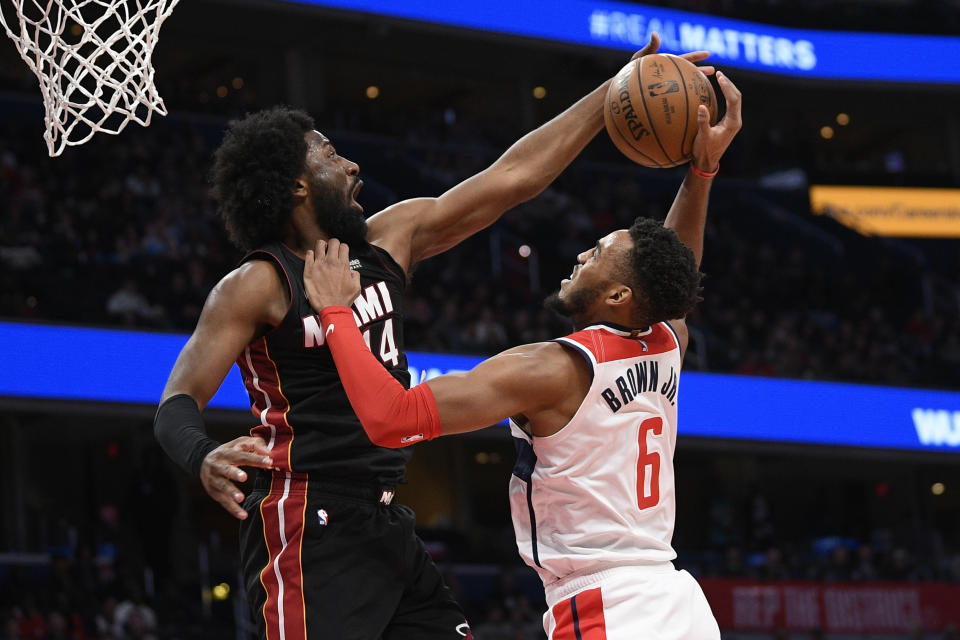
(600, 491)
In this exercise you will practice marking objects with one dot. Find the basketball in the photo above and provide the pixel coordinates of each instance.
(651, 109)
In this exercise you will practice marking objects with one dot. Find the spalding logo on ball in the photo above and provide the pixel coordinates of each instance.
(651, 112)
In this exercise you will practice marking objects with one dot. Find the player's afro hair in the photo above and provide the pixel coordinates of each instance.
(254, 170)
(663, 270)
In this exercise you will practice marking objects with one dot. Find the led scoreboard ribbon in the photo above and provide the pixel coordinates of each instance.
(840, 55)
(46, 362)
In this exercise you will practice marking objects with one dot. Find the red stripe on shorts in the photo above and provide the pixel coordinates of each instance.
(580, 617)
(282, 511)
(589, 612)
(563, 621)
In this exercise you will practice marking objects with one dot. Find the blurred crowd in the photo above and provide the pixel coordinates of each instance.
(71, 602)
(747, 539)
(122, 232)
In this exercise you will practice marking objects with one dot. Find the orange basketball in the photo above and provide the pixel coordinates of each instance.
(651, 110)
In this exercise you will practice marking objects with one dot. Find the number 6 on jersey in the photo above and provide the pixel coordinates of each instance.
(648, 466)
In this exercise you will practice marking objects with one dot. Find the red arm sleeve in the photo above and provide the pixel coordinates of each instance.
(392, 416)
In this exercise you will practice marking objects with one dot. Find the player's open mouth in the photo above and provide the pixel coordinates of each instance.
(357, 188)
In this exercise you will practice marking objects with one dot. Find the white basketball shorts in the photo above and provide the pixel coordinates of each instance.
(629, 603)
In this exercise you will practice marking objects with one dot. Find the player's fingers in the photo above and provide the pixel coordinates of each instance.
(252, 459)
(233, 508)
(651, 47)
(344, 253)
(227, 488)
(703, 119)
(251, 455)
(223, 491)
(321, 248)
(730, 90)
(707, 70)
(229, 471)
(733, 97)
(252, 443)
(695, 56)
(333, 248)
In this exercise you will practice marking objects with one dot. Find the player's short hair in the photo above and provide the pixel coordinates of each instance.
(254, 171)
(663, 271)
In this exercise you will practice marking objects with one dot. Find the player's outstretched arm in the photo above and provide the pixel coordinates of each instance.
(423, 227)
(688, 213)
(244, 303)
(521, 380)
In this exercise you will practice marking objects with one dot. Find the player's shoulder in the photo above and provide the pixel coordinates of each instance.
(254, 288)
(255, 274)
(547, 360)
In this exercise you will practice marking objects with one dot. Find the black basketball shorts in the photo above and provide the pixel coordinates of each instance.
(323, 561)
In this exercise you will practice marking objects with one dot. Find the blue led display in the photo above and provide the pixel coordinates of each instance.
(840, 55)
(68, 363)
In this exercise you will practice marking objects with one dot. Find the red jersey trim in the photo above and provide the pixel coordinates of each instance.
(610, 344)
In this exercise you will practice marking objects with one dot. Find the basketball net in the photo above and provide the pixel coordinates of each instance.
(92, 58)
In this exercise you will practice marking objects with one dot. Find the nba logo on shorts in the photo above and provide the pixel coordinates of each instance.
(322, 517)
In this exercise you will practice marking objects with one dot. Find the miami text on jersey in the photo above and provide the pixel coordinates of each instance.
(374, 303)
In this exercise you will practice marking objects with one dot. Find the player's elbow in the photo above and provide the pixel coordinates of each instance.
(398, 429)
(384, 430)
(406, 420)
(381, 434)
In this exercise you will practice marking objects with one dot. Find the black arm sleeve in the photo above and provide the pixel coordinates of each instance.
(179, 429)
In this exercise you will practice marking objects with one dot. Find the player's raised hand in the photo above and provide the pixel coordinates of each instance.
(693, 56)
(221, 469)
(711, 142)
(327, 276)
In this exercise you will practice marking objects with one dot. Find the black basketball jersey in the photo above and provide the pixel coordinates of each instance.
(295, 390)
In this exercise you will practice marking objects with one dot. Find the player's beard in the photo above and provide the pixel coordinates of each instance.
(576, 304)
(336, 216)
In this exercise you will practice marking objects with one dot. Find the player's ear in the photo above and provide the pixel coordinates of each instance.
(619, 294)
(301, 187)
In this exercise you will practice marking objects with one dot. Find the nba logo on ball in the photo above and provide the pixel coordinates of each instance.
(322, 517)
